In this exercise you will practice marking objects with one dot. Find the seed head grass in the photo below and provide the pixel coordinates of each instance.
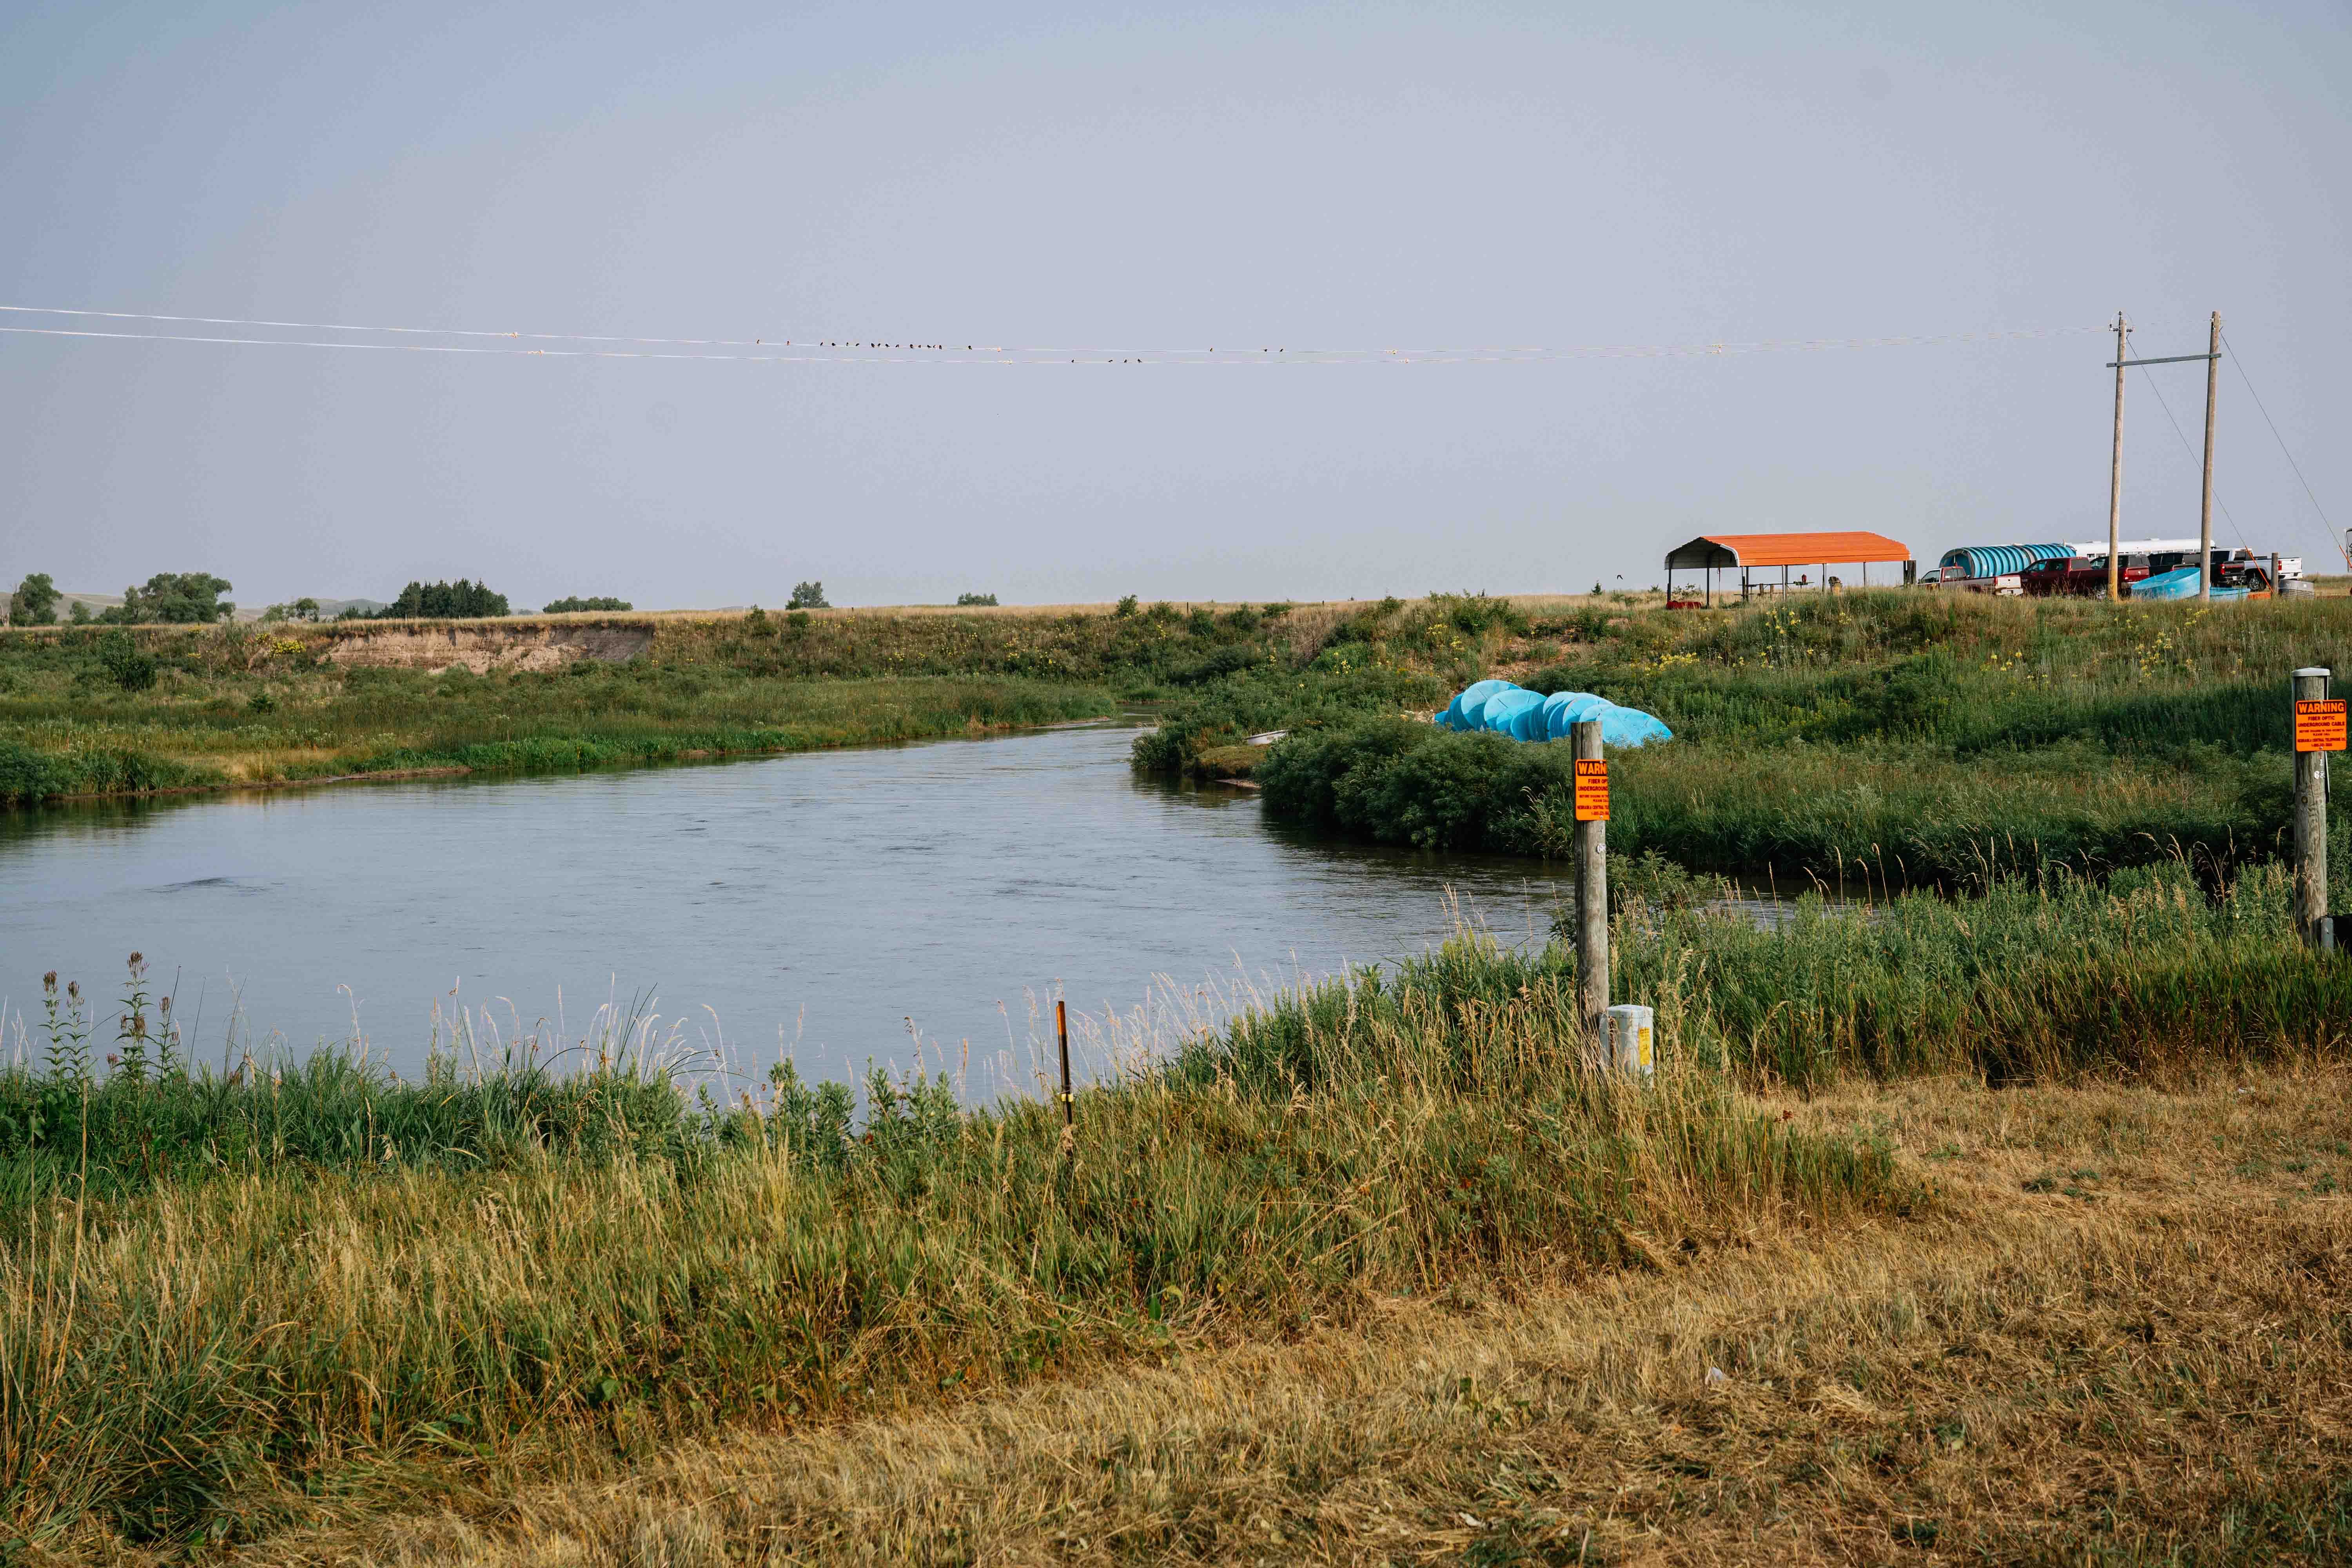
(294, 1319)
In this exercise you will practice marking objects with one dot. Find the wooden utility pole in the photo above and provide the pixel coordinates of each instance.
(2212, 358)
(2115, 471)
(2205, 515)
(1592, 888)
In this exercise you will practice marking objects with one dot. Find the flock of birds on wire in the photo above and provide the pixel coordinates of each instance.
(830, 350)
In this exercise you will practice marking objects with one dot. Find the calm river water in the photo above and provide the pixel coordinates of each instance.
(831, 906)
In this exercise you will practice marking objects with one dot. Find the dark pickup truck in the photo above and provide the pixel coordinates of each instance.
(2081, 575)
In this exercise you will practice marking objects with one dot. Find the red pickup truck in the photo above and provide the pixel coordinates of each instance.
(2085, 577)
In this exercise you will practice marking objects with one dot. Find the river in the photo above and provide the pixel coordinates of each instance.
(836, 907)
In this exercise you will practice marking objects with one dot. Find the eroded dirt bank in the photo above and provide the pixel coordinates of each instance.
(484, 648)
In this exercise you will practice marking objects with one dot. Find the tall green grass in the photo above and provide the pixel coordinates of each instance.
(2047, 977)
(2147, 972)
(104, 1105)
(545, 1275)
(310, 1326)
(1873, 810)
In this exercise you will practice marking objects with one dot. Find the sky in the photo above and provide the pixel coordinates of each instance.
(1138, 181)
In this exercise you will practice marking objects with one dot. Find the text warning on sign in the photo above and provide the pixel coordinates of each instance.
(1592, 791)
(2319, 727)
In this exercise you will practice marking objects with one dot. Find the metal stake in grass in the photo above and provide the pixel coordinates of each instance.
(1069, 1101)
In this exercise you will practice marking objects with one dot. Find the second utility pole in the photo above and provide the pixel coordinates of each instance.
(2205, 516)
(2115, 472)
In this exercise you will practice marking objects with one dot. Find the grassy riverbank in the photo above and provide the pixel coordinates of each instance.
(2117, 1340)
(213, 733)
(94, 712)
(344, 1293)
(1932, 737)
(401, 1294)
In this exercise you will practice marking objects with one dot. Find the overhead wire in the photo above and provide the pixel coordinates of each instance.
(919, 349)
(2237, 362)
(2192, 451)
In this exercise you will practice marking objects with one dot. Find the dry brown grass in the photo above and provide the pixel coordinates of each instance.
(2123, 1335)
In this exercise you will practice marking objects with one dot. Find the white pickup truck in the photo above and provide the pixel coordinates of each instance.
(2008, 584)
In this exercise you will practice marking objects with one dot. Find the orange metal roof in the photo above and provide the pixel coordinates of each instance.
(1788, 549)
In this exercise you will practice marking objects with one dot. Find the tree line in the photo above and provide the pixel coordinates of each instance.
(186, 598)
(195, 598)
(178, 598)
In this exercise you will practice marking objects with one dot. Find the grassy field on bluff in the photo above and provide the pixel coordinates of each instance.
(341, 1298)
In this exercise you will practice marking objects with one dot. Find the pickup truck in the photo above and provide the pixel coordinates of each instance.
(2254, 577)
(2080, 576)
(2006, 586)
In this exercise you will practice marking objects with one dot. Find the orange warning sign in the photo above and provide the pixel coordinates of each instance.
(2318, 726)
(1592, 791)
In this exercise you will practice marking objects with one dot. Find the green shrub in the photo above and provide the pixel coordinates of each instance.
(35, 602)
(125, 663)
(172, 598)
(1476, 614)
(455, 600)
(26, 776)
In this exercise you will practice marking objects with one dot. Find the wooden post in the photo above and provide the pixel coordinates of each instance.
(2312, 742)
(2116, 473)
(1592, 891)
(2205, 516)
(1069, 1102)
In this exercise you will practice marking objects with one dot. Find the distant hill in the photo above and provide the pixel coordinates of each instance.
(329, 608)
(96, 602)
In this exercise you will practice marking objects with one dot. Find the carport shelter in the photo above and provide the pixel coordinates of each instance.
(1713, 552)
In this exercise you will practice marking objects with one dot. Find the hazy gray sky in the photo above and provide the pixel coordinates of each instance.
(1149, 177)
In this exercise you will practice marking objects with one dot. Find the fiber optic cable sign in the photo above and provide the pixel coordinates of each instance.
(2319, 727)
(1592, 790)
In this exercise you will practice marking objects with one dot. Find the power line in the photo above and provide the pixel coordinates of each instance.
(2185, 447)
(461, 348)
(841, 350)
(2334, 538)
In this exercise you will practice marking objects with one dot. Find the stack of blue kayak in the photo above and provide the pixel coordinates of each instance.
(1503, 709)
(2178, 584)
